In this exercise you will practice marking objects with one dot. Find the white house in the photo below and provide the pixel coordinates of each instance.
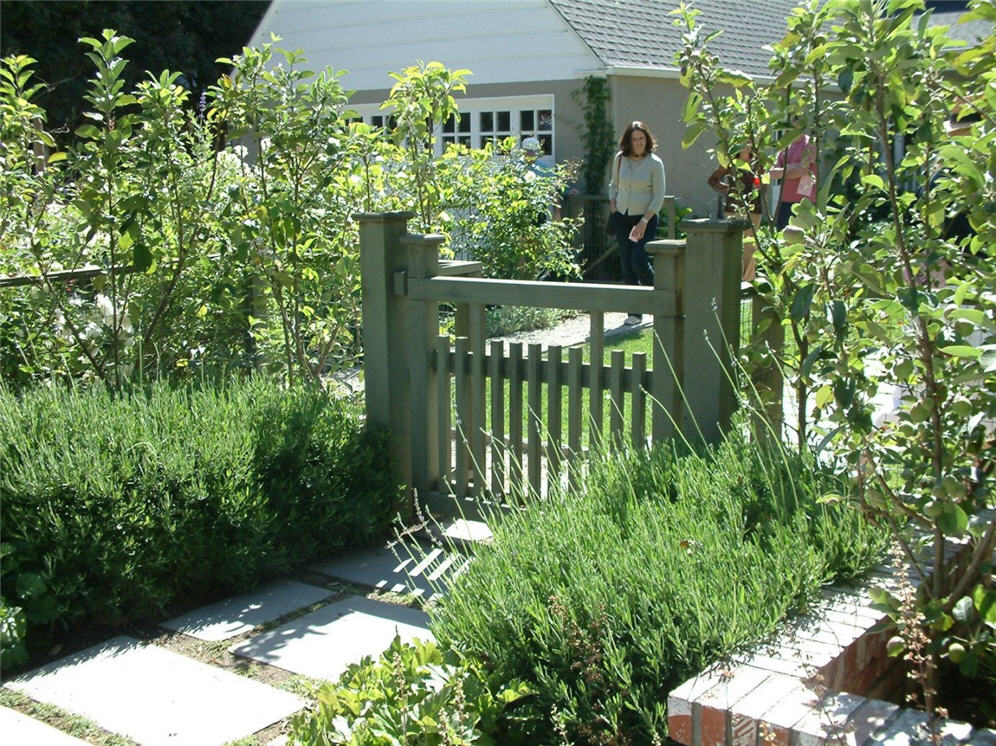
(528, 56)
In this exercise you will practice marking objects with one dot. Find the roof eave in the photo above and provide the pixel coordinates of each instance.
(668, 73)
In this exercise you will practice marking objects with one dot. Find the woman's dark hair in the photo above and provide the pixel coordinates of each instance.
(626, 141)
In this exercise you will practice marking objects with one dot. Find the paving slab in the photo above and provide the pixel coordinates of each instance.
(156, 696)
(238, 615)
(462, 530)
(399, 568)
(18, 728)
(323, 643)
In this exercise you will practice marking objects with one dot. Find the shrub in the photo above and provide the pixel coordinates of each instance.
(117, 506)
(604, 600)
(413, 694)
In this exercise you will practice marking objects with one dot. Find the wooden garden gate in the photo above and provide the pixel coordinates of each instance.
(474, 418)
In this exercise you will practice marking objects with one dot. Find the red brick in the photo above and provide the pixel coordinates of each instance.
(680, 724)
(713, 706)
(747, 726)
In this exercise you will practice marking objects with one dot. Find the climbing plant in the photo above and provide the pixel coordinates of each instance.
(596, 134)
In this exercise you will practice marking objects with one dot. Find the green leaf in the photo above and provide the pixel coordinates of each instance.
(873, 180)
(985, 604)
(962, 351)
(953, 522)
(802, 302)
(692, 133)
(141, 257)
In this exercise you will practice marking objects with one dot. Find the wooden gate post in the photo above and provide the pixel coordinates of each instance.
(711, 304)
(385, 333)
(421, 332)
(666, 401)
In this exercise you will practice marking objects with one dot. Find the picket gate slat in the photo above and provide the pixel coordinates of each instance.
(477, 445)
(515, 452)
(444, 403)
(554, 408)
(616, 404)
(498, 447)
(462, 387)
(638, 400)
(596, 337)
(534, 433)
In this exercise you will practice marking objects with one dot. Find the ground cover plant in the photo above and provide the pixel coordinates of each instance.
(116, 506)
(605, 599)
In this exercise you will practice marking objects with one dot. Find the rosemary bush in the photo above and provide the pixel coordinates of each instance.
(117, 506)
(604, 600)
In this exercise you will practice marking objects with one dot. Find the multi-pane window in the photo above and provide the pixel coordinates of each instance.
(487, 120)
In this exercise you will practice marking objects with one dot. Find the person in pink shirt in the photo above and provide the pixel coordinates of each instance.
(796, 167)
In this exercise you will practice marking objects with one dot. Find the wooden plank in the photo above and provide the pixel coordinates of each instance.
(515, 450)
(444, 400)
(616, 402)
(638, 399)
(574, 412)
(498, 447)
(578, 296)
(596, 335)
(460, 479)
(553, 413)
(534, 443)
(477, 393)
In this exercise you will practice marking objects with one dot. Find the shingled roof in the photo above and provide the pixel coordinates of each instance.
(643, 34)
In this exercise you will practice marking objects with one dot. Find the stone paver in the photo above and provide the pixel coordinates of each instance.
(235, 616)
(401, 568)
(18, 728)
(323, 643)
(462, 530)
(155, 696)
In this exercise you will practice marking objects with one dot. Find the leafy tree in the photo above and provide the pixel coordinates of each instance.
(871, 277)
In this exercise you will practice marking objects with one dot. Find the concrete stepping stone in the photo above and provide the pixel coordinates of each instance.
(18, 728)
(156, 696)
(235, 616)
(323, 643)
(400, 568)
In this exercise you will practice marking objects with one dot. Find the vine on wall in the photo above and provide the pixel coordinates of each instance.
(597, 133)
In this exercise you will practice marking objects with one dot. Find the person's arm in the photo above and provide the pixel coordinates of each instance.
(658, 188)
(613, 182)
(716, 180)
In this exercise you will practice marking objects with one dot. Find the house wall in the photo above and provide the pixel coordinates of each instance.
(658, 101)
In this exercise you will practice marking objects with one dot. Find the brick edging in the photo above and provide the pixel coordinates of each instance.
(795, 690)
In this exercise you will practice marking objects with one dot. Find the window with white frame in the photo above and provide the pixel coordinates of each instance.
(484, 120)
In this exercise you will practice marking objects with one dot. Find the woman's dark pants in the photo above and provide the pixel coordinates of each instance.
(636, 269)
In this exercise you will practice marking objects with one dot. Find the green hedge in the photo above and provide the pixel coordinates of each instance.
(114, 507)
(604, 600)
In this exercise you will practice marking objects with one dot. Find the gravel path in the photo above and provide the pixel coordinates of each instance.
(574, 330)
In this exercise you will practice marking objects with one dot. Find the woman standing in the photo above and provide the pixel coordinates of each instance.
(636, 194)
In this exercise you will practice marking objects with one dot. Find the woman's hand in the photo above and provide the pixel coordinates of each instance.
(638, 230)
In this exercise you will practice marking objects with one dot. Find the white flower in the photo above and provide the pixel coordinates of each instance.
(92, 330)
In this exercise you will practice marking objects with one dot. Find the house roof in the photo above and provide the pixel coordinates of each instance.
(643, 35)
